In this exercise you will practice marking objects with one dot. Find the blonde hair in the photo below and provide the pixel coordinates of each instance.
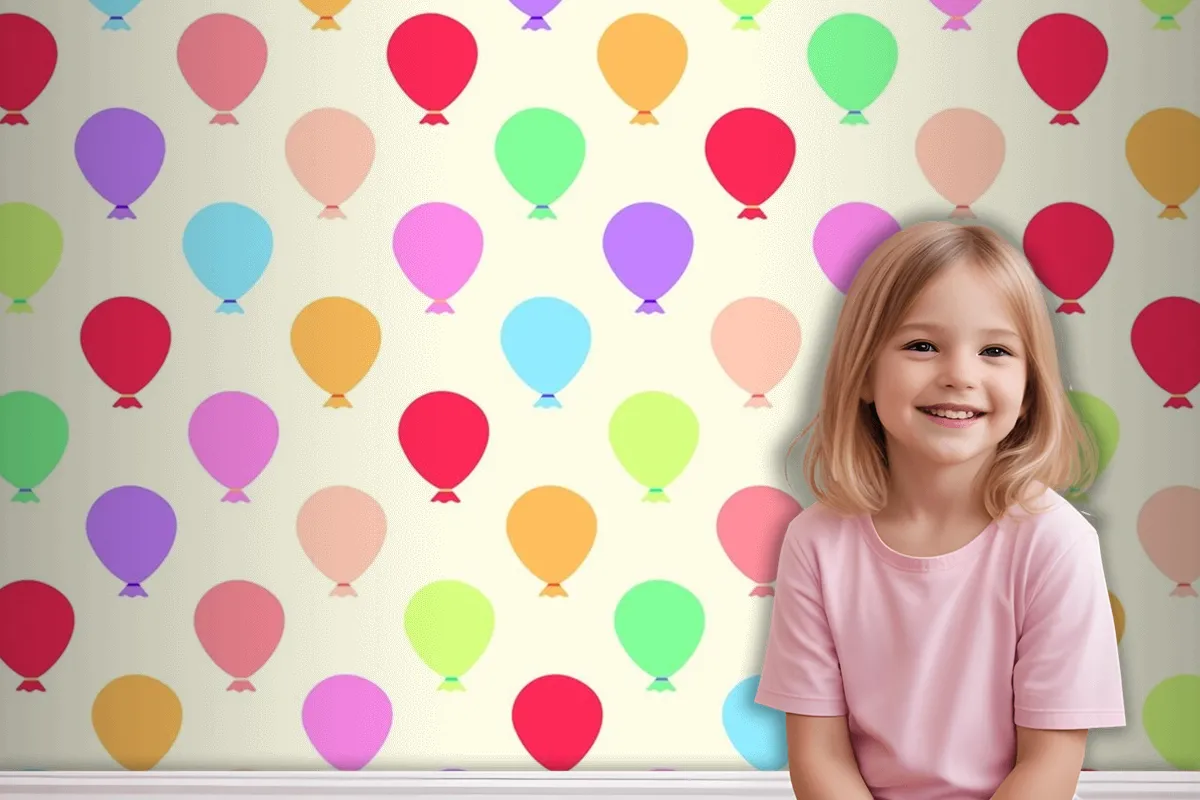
(845, 463)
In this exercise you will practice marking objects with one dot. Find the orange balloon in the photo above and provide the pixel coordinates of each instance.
(325, 11)
(642, 58)
(960, 151)
(330, 152)
(756, 341)
(341, 530)
(1163, 151)
(137, 719)
(551, 530)
(1118, 612)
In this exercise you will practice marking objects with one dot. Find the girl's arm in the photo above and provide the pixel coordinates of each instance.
(1048, 765)
(821, 760)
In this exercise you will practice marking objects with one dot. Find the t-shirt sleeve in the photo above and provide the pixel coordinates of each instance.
(800, 673)
(1067, 674)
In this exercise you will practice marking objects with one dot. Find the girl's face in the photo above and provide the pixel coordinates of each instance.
(949, 385)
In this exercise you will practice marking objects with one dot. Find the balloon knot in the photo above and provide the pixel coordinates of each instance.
(326, 23)
(20, 306)
(757, 401)
(553, 590)
(643, 118)
(1064, 118)
(434, 118)
(14, 117)
(854, 118)
(133, 590)
(338, 401)
(656, 496)
(223, 118)
(122, 212)
(547, 401)
(542, 211)
(752, 212)
(956, 24)
(25, 496)
(31, 685)
(762, 591)
(962, 212)
(439, 307)
(660, 685)
(127, 401)
(451, 685)
(241, 685)
(445, 496)
(650, 307)
(235, 496)
(331, 212)
(1172, 212)
(1178, 401)
(1184, 590)
(536, 24)
(230, 307)
(1070, 307)
(116, 24)
(343, 590)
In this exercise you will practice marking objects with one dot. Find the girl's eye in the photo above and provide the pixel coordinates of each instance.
(920, 347)
(995, 352)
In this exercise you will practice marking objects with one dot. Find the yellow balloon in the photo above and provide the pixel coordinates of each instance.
(336, 342)
(137, 719)
(325, 10)
(642, 57)
(1163, 150)
(551, 530)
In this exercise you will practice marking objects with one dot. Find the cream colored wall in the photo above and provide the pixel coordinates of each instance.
(318, 447)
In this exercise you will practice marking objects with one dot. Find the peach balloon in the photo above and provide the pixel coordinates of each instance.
(330, 152)
(960, 151)
(341, 530)
(756, 341)
(750, 526)
(1168, 527)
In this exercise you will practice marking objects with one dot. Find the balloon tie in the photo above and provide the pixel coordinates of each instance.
(24, 491)
(746, 18)
(19, 302)
(542, 206)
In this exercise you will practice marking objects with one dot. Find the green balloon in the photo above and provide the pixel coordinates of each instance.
(746, 9)
(540, 153)
(1166, 10)
(31, 245)
(450, 625)
(1171, 717)
(853, 58)
(660, 624)
(1101, 422)
(33, 438)
(654, 436)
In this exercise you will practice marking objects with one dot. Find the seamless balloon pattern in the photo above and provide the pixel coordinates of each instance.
(547, 384)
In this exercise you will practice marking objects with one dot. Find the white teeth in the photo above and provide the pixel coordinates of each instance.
(937, 412)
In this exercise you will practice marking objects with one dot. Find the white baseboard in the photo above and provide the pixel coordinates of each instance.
(479, 785)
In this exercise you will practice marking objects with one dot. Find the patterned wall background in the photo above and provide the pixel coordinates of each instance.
(339, 436)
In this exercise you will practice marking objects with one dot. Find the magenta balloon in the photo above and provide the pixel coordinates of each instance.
(347, 719)
(846, 235)
(233, 435)
(438, 247)
(956, 10)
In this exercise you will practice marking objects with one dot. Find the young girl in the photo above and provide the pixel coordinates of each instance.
(942, 627)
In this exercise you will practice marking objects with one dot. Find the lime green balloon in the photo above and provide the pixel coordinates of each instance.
(853, 58)
(540, 152)
(746, 9)
(1101, 422)
(33, 438)
(31, 245)
(1171, 717)
(449, 624)
(654, 436)
(660, 624)
(1166, 10)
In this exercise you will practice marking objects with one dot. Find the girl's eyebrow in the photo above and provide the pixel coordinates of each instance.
(933, 327)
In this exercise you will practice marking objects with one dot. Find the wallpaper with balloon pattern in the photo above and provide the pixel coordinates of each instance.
(407, 385)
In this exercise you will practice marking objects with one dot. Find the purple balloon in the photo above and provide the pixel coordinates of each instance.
(233, 435)
(347, 719)
(537, 10)
(120, 151)
(131, 530)
(648, 247)
(846, 235)
(956, 9)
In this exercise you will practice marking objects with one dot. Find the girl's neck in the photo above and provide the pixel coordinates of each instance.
(935, 495)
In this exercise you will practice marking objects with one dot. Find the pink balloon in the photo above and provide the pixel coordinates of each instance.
(222, 58)
(239, 624)
(1168, 527)
(347, 719)
(438, 247)
(234, 435)
(846, 235)
(750, 526)
(956, 10)
(331, 152)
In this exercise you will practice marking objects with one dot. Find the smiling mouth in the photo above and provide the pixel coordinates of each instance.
(951, 411)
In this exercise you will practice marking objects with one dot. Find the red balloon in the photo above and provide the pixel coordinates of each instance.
(36, 623)
(432, 58)
(1063, 58)
(1166, 341)
(557, 719)
(28, 56)
(1069, 247)
(750, 152)
(125, 340)
(443, 435)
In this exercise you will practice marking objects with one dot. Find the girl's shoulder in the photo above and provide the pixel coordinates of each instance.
(1048, 525)
(819, 526)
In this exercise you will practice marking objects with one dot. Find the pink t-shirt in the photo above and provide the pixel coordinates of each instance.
(934, 660)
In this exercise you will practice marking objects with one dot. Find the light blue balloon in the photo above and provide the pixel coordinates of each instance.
(546, 341)
(116, 10)
(758, 733)
(228, 247)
